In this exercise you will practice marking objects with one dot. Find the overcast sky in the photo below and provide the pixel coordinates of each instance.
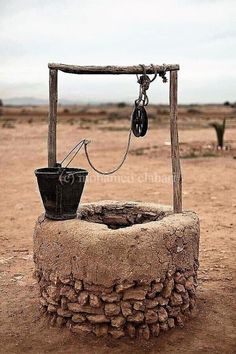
(200, 35)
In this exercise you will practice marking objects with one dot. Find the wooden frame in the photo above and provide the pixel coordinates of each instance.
(118, 70)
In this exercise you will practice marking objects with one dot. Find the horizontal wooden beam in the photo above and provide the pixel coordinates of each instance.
(114, 70)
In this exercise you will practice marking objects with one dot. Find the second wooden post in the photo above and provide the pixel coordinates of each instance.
(176, 169)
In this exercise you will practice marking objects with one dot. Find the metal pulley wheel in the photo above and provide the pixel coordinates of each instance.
(139, 121)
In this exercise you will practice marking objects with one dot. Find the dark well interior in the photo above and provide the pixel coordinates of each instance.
(119, 216)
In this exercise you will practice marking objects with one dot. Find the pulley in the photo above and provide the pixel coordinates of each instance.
(139, 117)
(139, 121)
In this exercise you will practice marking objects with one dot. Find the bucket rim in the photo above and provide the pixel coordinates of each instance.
(57, 170)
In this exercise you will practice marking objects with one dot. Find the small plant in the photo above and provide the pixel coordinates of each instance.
(220, 130)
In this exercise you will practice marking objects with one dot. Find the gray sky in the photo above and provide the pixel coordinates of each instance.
(198, 34)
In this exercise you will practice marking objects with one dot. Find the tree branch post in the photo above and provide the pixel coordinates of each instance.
(176, 169)
(52, 125)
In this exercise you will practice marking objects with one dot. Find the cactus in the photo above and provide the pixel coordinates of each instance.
(220, 130)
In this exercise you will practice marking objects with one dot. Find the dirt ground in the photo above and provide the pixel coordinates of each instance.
(208, 189)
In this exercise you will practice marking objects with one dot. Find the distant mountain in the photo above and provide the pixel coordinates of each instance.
(32, 101)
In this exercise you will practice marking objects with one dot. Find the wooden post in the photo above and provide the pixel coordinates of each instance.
(52, 127)
(176, 169)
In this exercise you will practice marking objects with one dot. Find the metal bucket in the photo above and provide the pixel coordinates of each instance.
(61, 190)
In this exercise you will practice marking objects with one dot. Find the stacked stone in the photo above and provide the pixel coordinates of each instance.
(137, 309)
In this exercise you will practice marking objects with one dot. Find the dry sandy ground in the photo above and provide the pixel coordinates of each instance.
(209, 189)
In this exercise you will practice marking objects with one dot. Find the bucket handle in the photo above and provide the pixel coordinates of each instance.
(69, 178)
(79, 145)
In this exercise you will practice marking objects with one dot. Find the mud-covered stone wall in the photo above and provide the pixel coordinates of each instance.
(96, 276)
(135, 309)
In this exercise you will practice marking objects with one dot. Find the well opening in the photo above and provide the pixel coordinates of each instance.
(120, 216)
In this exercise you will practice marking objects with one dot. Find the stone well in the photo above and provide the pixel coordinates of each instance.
(118, 269)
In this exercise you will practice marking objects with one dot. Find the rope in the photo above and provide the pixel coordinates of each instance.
(85, 143)
(155, 72)
(144, 82)
(115, 169)
(163, 74)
